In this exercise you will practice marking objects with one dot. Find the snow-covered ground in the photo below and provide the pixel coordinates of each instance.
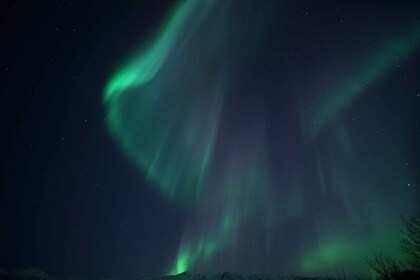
(36, 274)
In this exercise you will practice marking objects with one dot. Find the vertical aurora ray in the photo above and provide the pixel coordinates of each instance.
(243, 186)
(165, 110)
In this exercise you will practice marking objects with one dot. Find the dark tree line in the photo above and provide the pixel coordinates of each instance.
(389, 269)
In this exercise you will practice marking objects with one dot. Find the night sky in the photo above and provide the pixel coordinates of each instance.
(147, 138)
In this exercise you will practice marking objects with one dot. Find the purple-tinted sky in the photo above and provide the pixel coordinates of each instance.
(153, 137)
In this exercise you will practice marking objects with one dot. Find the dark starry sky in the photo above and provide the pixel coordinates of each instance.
(309, 110)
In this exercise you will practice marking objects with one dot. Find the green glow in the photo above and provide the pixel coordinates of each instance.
(346, 252)
(182, 263)
(142, 68)
(168, 108)
(238, 182)
(168, 123)
(147, 106)
(341, 98)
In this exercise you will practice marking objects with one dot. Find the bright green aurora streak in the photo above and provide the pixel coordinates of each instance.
(166, 105)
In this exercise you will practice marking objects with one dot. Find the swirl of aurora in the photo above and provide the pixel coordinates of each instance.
(169, 107)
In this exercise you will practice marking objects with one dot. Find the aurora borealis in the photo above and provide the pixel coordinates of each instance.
(166, 109)
(155, 137)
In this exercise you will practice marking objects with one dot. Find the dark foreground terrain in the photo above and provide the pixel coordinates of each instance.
(36, 274)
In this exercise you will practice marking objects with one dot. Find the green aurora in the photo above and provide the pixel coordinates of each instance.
(167, 105)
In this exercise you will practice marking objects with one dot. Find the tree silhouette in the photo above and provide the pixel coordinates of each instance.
(389, 269)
